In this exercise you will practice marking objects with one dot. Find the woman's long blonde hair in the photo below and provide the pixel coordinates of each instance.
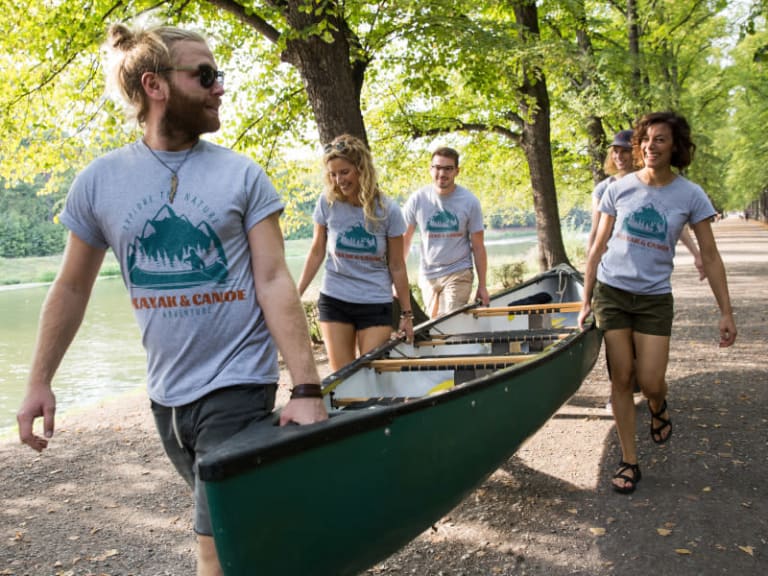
(355, 151)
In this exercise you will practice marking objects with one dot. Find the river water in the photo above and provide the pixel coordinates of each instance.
(107, 358)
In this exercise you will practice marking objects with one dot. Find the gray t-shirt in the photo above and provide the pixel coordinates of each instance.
(356, 267)
(649, 220)
(445, 224)
(186, 264)
(602, 186)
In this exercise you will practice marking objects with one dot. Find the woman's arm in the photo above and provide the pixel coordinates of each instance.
(314, 258)
(715, 272)
(599, 246)
(399, 273)
(685, 238)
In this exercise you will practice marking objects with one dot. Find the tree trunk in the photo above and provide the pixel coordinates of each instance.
(536, 144)
(585, 84)
(332, 78)
(332, 72)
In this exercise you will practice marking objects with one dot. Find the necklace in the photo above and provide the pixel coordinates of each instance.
(174, 173)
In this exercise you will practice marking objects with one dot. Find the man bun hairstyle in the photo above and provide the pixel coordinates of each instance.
(132, 53)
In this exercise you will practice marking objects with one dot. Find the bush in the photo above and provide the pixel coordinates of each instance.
(509, 275)
(310, 311)
(19, 237)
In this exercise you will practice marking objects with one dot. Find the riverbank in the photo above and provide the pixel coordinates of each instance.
(104, 500)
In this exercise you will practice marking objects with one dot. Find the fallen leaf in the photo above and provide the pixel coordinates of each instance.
(663, 531)
(107, 554)
(683, 551)
(597, 531)
(706, 489)
(572, 511)
(748, 549)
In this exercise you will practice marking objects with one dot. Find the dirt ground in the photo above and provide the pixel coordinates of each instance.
(104, 501)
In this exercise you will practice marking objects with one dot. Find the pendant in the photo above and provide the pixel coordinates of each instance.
(174, 185)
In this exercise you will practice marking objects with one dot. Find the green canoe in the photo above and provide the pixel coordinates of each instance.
(413, 430)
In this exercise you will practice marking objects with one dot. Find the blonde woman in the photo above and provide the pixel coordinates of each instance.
(361, 232)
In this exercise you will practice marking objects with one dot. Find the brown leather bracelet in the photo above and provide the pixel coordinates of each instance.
(307, 391)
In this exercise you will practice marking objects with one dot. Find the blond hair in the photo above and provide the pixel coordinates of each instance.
(354, 151)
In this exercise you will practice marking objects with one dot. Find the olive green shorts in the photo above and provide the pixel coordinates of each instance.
(616, 309)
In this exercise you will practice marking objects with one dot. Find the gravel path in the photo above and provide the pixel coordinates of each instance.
(103, 500)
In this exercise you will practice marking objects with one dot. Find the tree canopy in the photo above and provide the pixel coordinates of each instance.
(529, 92)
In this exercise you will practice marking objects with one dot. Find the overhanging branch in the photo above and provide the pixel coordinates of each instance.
(252, 20)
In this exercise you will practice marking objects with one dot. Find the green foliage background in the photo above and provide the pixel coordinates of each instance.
(440, 72)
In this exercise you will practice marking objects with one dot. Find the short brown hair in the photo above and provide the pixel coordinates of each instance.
(447, 152)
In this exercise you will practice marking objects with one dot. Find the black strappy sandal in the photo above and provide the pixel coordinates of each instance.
(630, 482)
(665, 423)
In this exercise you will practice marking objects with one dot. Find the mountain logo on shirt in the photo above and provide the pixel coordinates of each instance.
(173, 253)
(357, 239)
(443, 221)
(646, 222)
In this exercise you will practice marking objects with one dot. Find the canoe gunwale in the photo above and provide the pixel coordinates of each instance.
(285, 442)
(274, 443)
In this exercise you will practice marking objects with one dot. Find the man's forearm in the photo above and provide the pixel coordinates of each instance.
(61, 316)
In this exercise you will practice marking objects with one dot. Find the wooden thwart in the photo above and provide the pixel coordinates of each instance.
(527, 308)
(447, 362)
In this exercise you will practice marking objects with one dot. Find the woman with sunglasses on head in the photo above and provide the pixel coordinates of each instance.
(628, 277)
(361, 230)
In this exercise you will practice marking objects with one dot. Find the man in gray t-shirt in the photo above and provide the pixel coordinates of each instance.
(450, 222)
(196, 230)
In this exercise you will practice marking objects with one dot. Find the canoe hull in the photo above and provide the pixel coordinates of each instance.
(355, 489)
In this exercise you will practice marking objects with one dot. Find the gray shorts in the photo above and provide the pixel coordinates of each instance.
(190, 431)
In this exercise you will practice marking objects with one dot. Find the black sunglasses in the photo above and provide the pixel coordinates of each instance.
(340, 146)
(206, 73)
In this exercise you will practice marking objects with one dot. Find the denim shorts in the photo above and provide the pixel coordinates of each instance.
(188, 432)
(361, 316)
(616, 309)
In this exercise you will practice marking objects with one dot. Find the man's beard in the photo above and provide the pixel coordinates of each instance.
(186, 116)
